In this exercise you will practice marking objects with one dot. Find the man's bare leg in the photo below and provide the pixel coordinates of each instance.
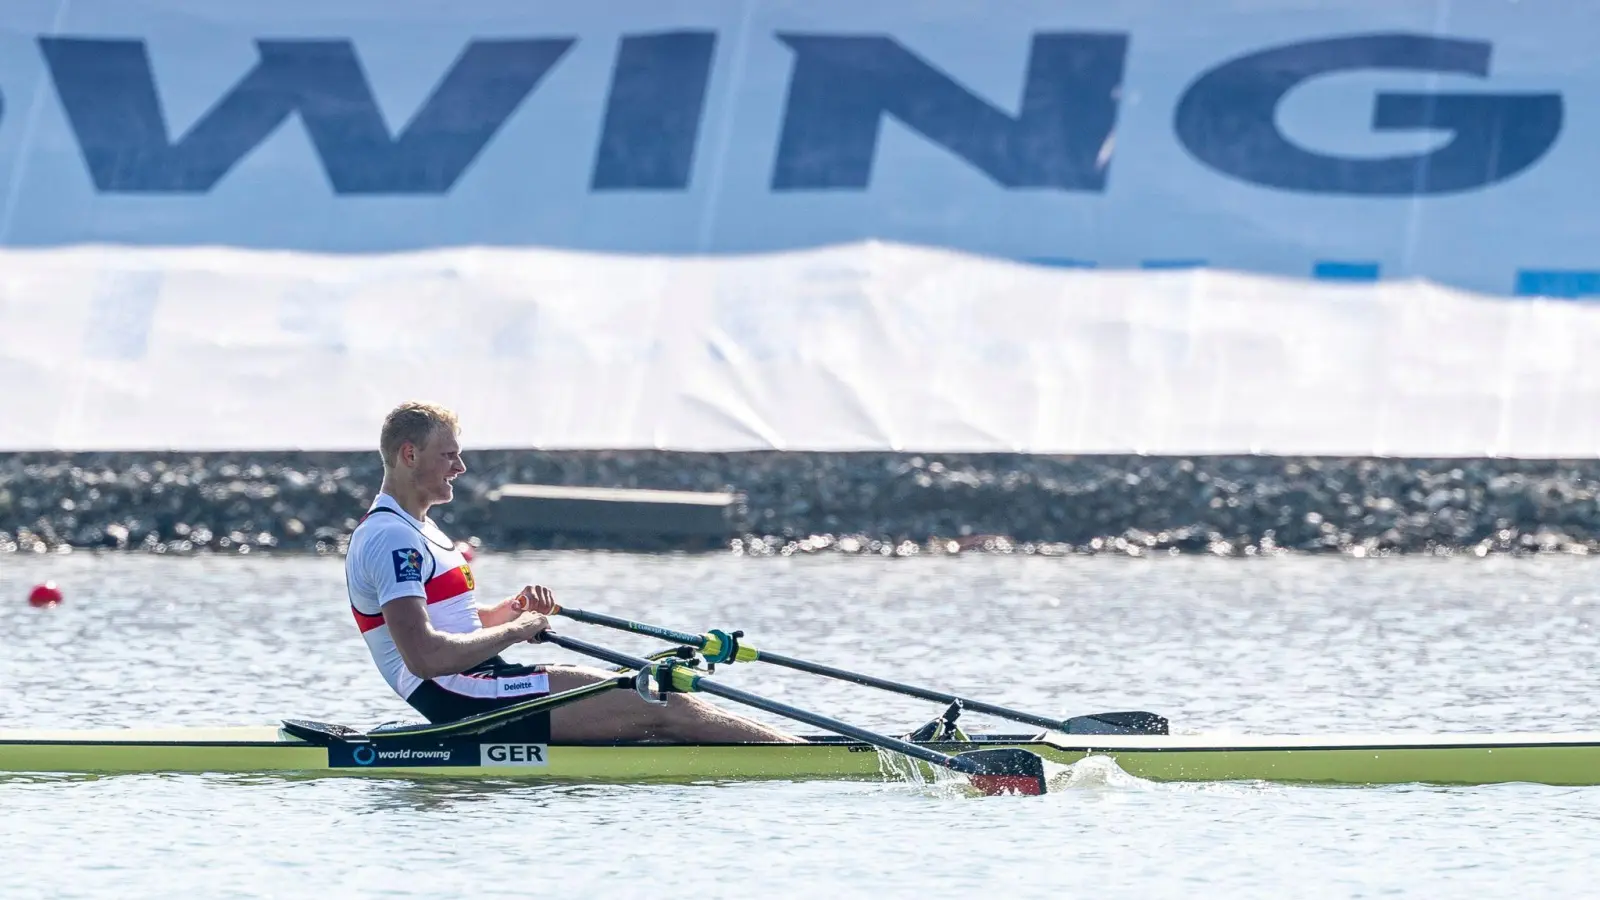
(624, 716)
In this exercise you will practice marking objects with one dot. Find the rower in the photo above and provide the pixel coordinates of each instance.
(414, 600)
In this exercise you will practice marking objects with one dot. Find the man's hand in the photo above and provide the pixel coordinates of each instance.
(527, 626)
(535, 598)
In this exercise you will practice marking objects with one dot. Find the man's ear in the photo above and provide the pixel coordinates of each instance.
(407, 454)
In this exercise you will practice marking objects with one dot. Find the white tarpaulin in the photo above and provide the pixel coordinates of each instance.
(861, 347)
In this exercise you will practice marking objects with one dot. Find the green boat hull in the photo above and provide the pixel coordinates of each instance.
(1355, 760)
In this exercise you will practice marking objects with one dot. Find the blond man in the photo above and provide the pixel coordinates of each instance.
(414, 600)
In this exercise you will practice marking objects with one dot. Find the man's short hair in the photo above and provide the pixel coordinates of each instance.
(413, 422)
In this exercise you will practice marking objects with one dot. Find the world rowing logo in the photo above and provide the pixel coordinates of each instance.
(407, 565)
(364, 756)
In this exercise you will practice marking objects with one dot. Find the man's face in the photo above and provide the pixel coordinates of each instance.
(437, 465)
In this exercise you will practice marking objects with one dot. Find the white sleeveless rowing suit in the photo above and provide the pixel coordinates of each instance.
(392, 555)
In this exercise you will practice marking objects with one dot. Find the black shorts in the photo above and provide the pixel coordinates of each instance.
(437, 704)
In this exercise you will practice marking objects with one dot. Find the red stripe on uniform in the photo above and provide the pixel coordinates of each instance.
(443, 586)
(449, 584)
(365, 622)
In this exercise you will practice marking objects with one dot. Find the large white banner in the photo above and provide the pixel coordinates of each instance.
(863, 347)
(1451, 140)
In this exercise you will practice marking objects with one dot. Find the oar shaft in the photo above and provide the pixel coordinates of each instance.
(707, 686)
(844, 728)
(655, 631)
(698, 641)
(910, 690)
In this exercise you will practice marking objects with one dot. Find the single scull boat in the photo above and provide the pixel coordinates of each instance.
(319, 749)
(1138, 742)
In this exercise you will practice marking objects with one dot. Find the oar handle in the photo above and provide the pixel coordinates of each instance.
(682, 680)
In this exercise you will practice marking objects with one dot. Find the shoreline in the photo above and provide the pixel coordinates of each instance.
(864, 503)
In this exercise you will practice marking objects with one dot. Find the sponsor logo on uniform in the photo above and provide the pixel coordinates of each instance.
(407, 565)
(472, 585)
(523, 684)
(514, 754)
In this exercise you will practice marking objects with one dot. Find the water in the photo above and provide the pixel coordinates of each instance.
(1288, 645)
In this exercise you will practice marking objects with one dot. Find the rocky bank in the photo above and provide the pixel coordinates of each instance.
(884, 503)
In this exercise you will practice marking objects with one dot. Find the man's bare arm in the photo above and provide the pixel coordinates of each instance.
(430, 653)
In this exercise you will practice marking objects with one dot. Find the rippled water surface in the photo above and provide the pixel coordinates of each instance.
(1266, 645)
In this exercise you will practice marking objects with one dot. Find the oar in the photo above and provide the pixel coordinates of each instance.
(991, 771)
(721, 647)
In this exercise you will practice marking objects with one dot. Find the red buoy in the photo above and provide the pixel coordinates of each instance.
(43, 595)
(465, 549)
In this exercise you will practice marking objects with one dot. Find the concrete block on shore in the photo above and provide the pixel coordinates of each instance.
(552, 510)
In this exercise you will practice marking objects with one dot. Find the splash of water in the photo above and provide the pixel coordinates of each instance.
(1091, 773)
(899, 767)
